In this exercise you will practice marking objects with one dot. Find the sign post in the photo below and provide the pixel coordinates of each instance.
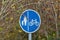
(30, 36)
(30, 22)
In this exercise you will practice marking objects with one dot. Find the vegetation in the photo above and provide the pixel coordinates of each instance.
(10, 11)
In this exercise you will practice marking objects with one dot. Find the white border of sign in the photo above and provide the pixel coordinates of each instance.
(37, 14)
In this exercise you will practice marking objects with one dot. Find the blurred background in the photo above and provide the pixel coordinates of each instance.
(10, 11)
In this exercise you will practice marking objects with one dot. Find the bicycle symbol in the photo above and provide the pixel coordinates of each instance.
(34, 22)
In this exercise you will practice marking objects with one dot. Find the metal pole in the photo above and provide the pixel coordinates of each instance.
(30, 36)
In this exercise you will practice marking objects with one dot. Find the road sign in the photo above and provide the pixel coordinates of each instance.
(30, 21)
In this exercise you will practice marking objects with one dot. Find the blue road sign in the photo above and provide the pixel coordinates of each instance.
(30, 21)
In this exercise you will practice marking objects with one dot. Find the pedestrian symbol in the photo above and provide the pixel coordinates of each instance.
(24, 21)
(30, 21)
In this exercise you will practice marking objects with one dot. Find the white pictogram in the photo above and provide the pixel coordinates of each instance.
(34, 22)
(24, 21)
(31, 23)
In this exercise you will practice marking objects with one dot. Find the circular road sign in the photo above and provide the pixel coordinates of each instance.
(30, 21)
